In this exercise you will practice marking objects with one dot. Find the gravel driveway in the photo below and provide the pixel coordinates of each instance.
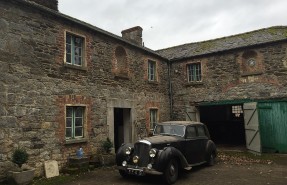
(221, 174)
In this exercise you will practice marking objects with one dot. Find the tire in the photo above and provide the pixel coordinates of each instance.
(123, 174)
(211, 159)
(171, 172)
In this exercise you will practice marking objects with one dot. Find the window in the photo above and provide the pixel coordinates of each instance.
(74, 49)
(201, 131)
(194, 72)
(237, 110)
(74, 122)
(153, 118)
(151, 70)
(190, 132)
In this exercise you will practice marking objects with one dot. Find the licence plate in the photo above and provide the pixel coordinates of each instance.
(138, 172)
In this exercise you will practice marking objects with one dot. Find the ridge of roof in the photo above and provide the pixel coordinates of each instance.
(87, 25)
(251, 38)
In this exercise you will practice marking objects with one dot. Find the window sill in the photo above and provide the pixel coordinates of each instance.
(153, 82)
(74, 141)
(75, 67)
(193, 84)
(251, 73)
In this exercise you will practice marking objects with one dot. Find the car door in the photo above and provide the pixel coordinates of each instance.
(202, 140)
(192, 150)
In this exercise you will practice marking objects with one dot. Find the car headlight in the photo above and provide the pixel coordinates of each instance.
(136, 159)
(152, 152)
(128, 150)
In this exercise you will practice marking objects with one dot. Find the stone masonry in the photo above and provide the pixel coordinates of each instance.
(36, 84)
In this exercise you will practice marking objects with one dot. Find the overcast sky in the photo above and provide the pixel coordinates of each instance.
(168, 23)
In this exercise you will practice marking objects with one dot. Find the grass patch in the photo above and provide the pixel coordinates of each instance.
(54, 180)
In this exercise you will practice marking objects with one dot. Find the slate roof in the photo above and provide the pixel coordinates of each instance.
(257, 37)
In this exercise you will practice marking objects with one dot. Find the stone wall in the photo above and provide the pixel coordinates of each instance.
(229, 76)
(35, 85)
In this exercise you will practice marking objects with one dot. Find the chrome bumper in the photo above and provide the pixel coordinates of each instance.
(140, 171)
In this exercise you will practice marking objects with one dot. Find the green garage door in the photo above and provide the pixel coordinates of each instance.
(273, 126)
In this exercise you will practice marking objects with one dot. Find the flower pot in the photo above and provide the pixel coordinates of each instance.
(21, 178)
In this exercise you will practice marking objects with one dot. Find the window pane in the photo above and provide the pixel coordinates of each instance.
(200, 131)
(78, 60)
(190, 132)
(68, 122)
(79, 111)
(68, 48)
(68, 38)
(79, 131)
(78, 122)
(153, 118)
(69, 111)
(68, 132)
(68, 58)
(78, 41)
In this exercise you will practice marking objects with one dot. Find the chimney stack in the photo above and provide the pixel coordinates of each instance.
(133, 34)
(52, 4)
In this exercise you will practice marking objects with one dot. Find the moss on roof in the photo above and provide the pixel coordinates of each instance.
(257, 37)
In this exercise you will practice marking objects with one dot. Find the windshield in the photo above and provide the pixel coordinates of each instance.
(177, 130)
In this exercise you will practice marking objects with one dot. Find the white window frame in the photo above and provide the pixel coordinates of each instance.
(72, 50)
(194, 72)
(152, 75)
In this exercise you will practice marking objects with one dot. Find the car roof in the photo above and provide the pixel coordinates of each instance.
(180, 123)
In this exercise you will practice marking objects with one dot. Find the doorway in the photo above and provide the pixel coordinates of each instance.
(122, 126)
(225, 124)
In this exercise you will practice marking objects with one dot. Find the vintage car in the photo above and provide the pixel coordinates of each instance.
(174, 145)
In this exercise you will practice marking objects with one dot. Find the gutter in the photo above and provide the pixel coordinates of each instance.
(169, 63)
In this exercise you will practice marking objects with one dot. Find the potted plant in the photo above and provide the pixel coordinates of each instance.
(107, 158)
(20, 175)
(107, 145)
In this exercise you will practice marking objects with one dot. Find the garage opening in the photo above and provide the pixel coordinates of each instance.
(225, 124)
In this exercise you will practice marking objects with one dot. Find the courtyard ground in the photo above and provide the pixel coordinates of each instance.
(232, 167)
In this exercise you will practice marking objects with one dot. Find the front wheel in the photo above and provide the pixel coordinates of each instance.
(171, 172)
(123, 173)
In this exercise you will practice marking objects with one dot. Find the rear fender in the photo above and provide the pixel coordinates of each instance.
(210, 147)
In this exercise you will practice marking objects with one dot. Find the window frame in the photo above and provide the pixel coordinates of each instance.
(73, 37)
(194, 72)
(153, 121)
(73, 122)
(152, 71)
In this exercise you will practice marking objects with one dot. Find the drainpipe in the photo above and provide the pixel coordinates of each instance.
(170, 90)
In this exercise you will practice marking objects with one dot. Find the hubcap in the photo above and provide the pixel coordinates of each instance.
(172, 170)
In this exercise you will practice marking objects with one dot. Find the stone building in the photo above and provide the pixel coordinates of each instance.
(66, 84)
(236, 85)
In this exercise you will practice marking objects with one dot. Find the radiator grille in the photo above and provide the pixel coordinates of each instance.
(142, 150)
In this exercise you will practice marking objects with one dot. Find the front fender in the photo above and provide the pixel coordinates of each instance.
(121, 153)
(166, 155)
